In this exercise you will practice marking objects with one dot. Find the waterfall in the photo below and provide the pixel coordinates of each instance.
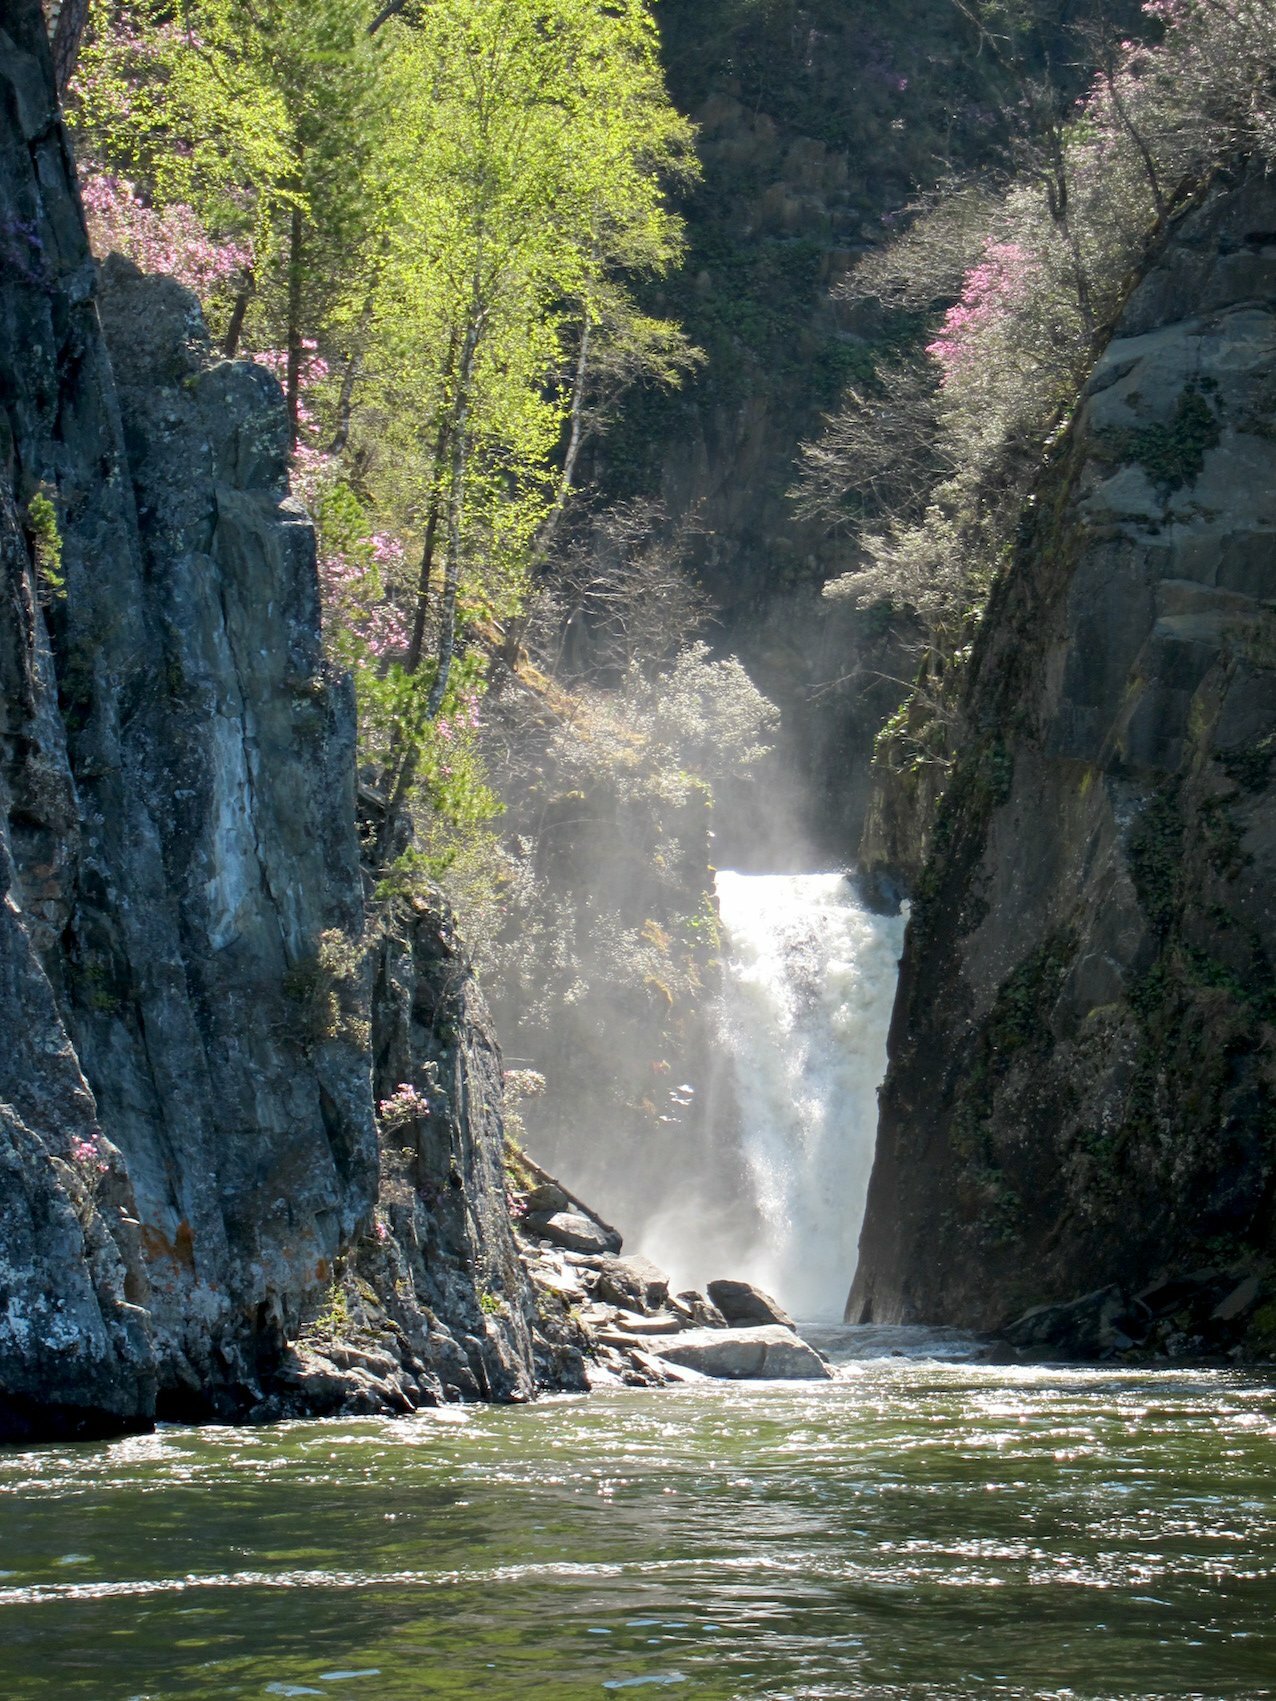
(810, 982)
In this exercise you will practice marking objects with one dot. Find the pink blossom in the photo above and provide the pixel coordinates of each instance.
(989, 292)
(88, 1154)
(404, 1105)
(172, 240)
(387, 550)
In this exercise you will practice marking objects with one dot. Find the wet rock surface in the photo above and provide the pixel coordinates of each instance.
(1218, 1314)
(745, 1306)
(740, 1354)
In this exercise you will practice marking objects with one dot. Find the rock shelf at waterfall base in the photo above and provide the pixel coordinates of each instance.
(620, 1316)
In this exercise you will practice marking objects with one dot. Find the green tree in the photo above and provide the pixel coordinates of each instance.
(447, 204)
(547, 141)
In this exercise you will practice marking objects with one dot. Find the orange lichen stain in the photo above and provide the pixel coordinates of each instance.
(184, 1245)
(323, 1269)
(155, 1243)
(157, 1246)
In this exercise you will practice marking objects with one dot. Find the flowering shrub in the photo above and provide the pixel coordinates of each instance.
(991, 293)
(87, 1155)
(405, 1105)
(172, 240)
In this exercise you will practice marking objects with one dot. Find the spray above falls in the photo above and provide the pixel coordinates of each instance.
(810, 983)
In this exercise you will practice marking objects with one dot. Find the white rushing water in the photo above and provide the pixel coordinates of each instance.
(810, 983)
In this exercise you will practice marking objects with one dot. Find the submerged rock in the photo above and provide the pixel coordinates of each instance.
(738, 1355)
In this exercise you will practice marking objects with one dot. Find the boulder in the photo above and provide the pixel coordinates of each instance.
(634, 1283)
(1242, 1297)
(636, 1323)
(546, 1199)
(739, 1355)
(663, 1371)
(747, 1307)
(574, 1230)
(697, 1309)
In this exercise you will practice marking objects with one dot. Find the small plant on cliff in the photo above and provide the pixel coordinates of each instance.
(324, 990)
(46, 543)
(404, 1107)
(332, 1321)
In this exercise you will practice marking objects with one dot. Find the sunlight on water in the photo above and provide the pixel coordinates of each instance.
(811, 979)
(920, 1529)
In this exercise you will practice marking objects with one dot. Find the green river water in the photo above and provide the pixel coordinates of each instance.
(917, 1528)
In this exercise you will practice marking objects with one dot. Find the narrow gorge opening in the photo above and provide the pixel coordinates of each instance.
(757, 1165)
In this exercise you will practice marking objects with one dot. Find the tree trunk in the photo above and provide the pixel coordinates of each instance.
(548, 528)
(417, 643)
(292, 386)
(73, 17)
(459, 437)
(238, 313)
(441, 440)
(349, 377)
(453, 433)
(1136, 136)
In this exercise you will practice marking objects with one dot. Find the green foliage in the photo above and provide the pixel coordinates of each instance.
(46, 542)
(1172, 455)
(446, 216)
(267, 120)
(333, 1320)
(1156, 858)
(323, 990)
(1250, 765)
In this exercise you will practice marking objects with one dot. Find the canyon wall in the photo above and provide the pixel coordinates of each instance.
(198, 1011)
(1081, 1092)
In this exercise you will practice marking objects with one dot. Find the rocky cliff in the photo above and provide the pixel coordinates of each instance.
(198, 1013)
(1082, 1092)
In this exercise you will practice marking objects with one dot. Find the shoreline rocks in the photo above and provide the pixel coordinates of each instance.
(619, 1313)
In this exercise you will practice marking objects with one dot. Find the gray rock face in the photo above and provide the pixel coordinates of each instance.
(447, 1272)
(76, 1354)
(736, 1355)
(1081, 1090)
(744, 1306)
(195, 1022)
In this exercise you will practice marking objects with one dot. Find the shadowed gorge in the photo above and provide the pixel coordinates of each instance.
(637, 862)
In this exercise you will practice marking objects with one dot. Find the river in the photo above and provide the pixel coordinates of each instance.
(919, 1528)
